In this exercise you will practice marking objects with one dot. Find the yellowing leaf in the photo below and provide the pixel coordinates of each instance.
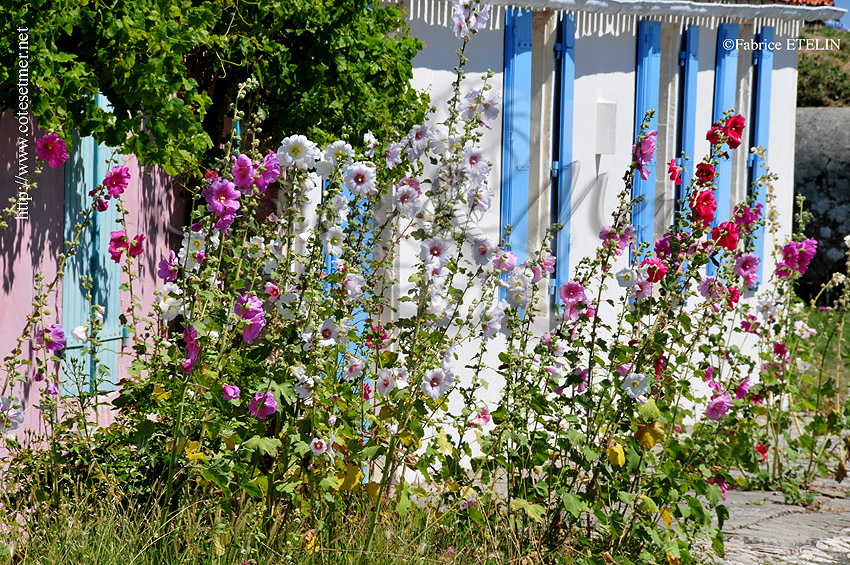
(159, 393)
(672, 559)
(615, 454)
(443, 442)
(667, 517)
(373, 489)
(650, 434)
(192, 452)
(350, 479)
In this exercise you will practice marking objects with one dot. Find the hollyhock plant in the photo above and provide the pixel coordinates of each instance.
(436, 383)
(118, 242)
(266, 171)
(243, 172)
(263, 405)
(705, 173)
(718, 406)
(250, 308)
(505, 262)
(655, 269)
(572, 292)
(644, 152)
(734, 130)
(360, 179)
(713, 134)
(675, 172)
(726, 235)
(117, 181)
(222, 196)
(747, 266)
(52, 148)
(134, 248)
(52, 338)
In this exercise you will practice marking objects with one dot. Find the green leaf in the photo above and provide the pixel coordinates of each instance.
(252, 489)
(534, 511)
(572, 504)
(722, 515)
(263, 445)
(218, 472)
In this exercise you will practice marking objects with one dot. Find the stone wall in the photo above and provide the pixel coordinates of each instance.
(822, 175)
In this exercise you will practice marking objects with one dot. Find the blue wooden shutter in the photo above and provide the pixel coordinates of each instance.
(565, 52)
(763, 61)
(689, 61)
(84, 170)
(516, 145)
(646, 94)
(725, 88)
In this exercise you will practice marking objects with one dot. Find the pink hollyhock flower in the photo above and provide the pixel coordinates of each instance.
(193, 348)
(482, 418)
(52, 338)
(250, 308)
(267, 172)
(52, 148)
(719, 406)
(273, 291)
(710, 287)
(367, 391)
(52, 388)
(584, 376)
(102, 205)
(222, 196)
(726, 235)
(746, 217)
(703, 207)
(747, 266)
(116, 181)
(117, 244)
(734, 129)
(224, 223)
(742, 389)
(625, 239)
(721, 482)
(761, 449)
(571, 293)
(734, 296)
(505, 261)
(655, 269)
(168, 268)
(662, 247)
(675, 172)
(644, 152)
(263, 405)
(230, 392)
(135, 248)
(243, 172)
(641, 290)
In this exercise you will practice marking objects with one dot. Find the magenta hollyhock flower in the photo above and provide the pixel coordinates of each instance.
(734, 130)
(273, 291)
(52, 148)
(222, 196)
(263, 405)
(243, 172)
(663, 248)
(224, 223)
(747, 266)
(675, 172)
(250, 308)
(102, 205)
(230, 392)
(117, 244)
(267, 172)
(571, 293)
(746, 217)
(117, 181)
(193, 348)
(742, 389)
(168, 268)
(135, 248)
(52, 338)
(719, 406)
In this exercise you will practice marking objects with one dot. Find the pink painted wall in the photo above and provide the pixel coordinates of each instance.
(33, 245)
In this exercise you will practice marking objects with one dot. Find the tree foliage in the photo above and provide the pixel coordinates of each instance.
(170, 68)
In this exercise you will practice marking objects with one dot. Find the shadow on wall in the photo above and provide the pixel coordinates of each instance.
(27, 244)
(822, 175)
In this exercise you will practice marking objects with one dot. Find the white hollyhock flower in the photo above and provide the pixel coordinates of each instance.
(439, 139)
(416, 142)
(385, 383)
(353, 369)
(492, 320)
(303, 383)
(519, 290)
(483, 249)
(299, 151)
(436, 383)
(407, 200)
(354, 285)
(626, 278)
(360, 179)
(99, 312)
(480, 197)
(393, 156)
(328, 333)
(801, 329)
(339, 153)
(81, 333)
(169, 303)
(256, 246)
(475, 164)
(435, 251)
(318, 446)
(325, 169)
(332, 240)
(371, 144)
(339, 205)
(636, 385)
